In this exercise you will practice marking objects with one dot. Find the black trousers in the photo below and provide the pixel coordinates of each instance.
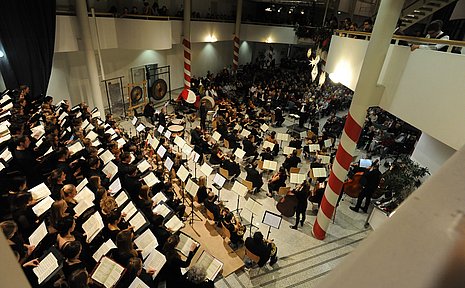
(298, 214)
(366, 194)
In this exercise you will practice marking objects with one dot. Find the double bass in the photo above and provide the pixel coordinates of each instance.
(353, 186)
(287, 204)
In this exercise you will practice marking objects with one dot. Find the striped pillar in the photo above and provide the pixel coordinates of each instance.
(236, 53)
(187, 63)
(367, 93)
(341, 165)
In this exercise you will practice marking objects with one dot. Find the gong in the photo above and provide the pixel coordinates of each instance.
(159, 89)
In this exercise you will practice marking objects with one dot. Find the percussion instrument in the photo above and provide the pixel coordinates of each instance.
(177, 122)
(209, 102)
(136, 94)
(158, 89)
(176, 130)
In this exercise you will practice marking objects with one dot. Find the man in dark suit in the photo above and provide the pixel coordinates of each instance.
(371, 180)
(249, 147)
(254, 176)
(203, 115)
(291, 161)
(232, 166)
(262, 248)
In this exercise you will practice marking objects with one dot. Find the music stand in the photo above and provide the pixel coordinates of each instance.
(183, 174)
(271, 220)
(192, 188)
(241, 191)
(218, 182)
(254, 208)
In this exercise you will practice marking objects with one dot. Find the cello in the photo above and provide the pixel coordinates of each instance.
(287, 204)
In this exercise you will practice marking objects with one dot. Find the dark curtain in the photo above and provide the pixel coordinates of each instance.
(27, 37)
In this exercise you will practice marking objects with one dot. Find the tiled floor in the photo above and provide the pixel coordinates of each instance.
(303, 260)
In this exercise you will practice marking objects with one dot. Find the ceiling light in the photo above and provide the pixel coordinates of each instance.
(2, 54)
(268, 9)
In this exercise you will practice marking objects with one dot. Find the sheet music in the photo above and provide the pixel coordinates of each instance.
(5, 98)
(245, 133)
(319, 172)
(283, 137)
(129, 209)
(179, 142)
(264, 127)
(82, 206)
(84, 123)
(239, 189)
(182, 173)
(314, 147)
(89, 128)
(239, 153)
(162, 209)
(156, 261)
(195, 156)
(93, 226)
(254, 207)
(325, 159)
(103, 249)
(115, 186)
(146, 242)
(187, 150)
(108, 272)
(288, 150)
(169, 163)
(106, 157)
(216, 136)
(267, 144)
(38, 143)
(211, 265)
(154, 143)
(140, 127)
(270, 165)
(206, 169)
(8, 106)
(137, 283)
(138, 220)
(297, 178)
(143, 166)
(174, 224)
(192, 187)
(62, 116)
(121, 198)
(81, 185)
(161, 151)
(168, 134)
(85, 194)
(38, 234)
(185, 243)
(120, 142)
(37, 131)
(150, 179)
(159, 197)
(272, 219)
(134, 121)
(5, 138)
(328, 143)
(40, 191)
(219, 179)
(96, 114)
(110, 170)
(76, 147)
(46, 267)
(96, 143)
(160, 129)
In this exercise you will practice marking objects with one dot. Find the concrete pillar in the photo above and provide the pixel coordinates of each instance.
(83, 21)
(187, 43)
(366, 94)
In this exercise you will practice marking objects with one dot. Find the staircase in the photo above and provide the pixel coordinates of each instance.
(421, 9)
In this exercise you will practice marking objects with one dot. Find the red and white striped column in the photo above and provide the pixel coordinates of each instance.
(186, 43)
(187, 63)
(237, 33)
(236, 53)
(367, 93)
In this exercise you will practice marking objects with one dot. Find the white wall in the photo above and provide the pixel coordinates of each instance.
(245, 52)
(433, 161)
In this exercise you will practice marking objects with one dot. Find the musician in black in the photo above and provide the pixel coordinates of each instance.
(264, 249)
(370, 182)
(254, 176)
(301, 193)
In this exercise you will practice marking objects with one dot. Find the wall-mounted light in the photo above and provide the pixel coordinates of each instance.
(334, 77)
(2, 54)
(279, 10)
(211, 38)
(302, 12)
(268, 9)
(269, 40)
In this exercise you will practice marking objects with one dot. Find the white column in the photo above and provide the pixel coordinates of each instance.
(83, 21)
(237, 27)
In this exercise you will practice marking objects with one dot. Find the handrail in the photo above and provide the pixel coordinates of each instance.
(456, 43)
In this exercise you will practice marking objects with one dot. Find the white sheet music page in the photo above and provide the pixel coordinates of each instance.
(254, 207)
(85, 194)
(239, 189)
(154, 143)
(42, 207)
(161, 209)
(40, 191)
(129, 209)
(150, 179)
(110, 170)
(146, 242)
(103, 249)
(314, 147)
(267, 144)
(159, 197)
(161, 151)
(185, 243)
(192, 187)
(46, 267)
(93, 226)
(219, 179)
(160, 129)
(239, 153)
(319, 172)
(108, 272)
(264, 127)
(245, 133)
(81, 185)
(168, 134)
(179, 142)
(270, 165)
(206, 169)
(156, 261)
(283, 137)
(168, 163)
(76, 147)
(115, 186)
(182, 173)
(138, 220)
(174, 224)
(216, 136)
(288, 150)
(143, 166)
(106, 157)
(38, 234)
(121, 198)
(325, 159)
(137, 283)
(82, 206)
(187, 150)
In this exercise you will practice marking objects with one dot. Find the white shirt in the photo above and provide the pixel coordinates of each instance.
(436, 47)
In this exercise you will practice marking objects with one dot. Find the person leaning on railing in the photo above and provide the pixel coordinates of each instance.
(434, 32)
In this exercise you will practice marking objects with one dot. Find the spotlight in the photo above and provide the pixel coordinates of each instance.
(2, 54)
(268, 9)
(279, 10)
